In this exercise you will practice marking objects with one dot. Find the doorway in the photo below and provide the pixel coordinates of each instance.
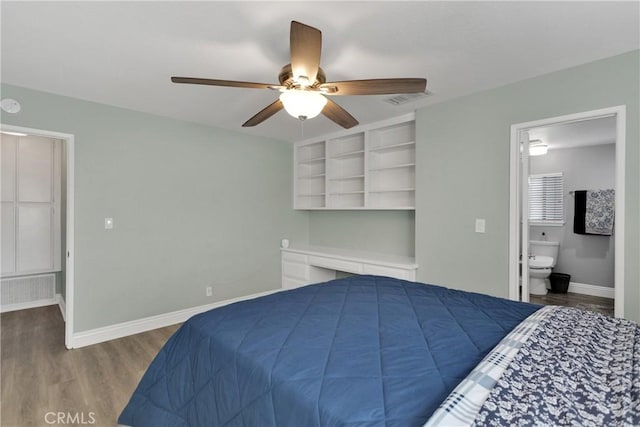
(521, 232)
(69, 184)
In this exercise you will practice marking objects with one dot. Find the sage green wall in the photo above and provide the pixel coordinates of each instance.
(463, 171)
(193, 206)
(374, 231)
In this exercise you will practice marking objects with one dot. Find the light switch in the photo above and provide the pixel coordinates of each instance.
(480, 225)
(108, 223)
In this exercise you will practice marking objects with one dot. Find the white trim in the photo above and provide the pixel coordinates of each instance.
(523, 190)
(30, 304)
(593, 290)
(514, 241)
(69, 139)
(359, 128)
(63, 306)
(621, 135)
(98, 335)
(514, 220)
(28, 273)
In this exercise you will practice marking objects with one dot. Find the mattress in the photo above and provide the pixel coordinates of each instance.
(363, 350)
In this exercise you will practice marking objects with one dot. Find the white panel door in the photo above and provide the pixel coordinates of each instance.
(35, 169)
(8, 260)
(34, 238)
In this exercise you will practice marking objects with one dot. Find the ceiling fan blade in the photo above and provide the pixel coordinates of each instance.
(339, 115)
(229, 83)
(264, 114)
(306, 45)
(374, 86)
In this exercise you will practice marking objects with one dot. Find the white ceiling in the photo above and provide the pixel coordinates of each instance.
(577, 134)
(123, 54)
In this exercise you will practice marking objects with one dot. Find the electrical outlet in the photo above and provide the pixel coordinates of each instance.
(209, 291)
(480, 225)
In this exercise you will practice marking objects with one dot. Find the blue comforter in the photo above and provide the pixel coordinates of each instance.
(365, 350)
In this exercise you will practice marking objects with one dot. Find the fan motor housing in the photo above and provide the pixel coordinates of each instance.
(286, 77)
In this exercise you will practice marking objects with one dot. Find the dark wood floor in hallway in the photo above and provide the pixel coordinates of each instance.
(585, 302)
(40, 376)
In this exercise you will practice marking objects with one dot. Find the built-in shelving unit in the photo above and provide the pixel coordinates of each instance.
(345, 170)
(369, 168)
(310, 175)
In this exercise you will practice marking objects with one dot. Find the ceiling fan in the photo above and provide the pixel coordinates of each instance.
(303, 84)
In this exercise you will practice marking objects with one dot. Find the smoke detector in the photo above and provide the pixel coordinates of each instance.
(10, 106)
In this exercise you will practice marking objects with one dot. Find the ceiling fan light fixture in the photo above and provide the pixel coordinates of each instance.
(303, 104)
(303, 83)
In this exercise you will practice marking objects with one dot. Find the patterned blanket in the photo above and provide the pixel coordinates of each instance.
(574, 368)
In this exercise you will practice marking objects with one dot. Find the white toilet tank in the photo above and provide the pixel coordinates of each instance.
(545, 248)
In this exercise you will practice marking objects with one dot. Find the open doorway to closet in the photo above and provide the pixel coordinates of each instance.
(585, 158)
(37, 221)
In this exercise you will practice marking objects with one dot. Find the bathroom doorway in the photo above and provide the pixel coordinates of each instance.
(585, 152)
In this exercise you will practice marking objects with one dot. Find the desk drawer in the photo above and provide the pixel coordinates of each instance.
(336, 264)
(290, 257)
(295, 271)
(377, 270)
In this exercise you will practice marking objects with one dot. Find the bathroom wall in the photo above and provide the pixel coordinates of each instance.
(588, 259)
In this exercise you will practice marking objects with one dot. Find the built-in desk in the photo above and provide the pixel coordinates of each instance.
(303, 265)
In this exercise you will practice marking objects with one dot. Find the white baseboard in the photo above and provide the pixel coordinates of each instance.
(31, 304)
(63, 306)
(107, 333)
(593, 290)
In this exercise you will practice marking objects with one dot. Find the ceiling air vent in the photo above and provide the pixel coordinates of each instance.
(405, 98)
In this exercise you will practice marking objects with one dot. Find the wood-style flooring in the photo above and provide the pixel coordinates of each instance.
(585, 302)
(39, 375)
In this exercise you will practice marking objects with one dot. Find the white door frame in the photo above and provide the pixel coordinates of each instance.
(619, 112)
(523, 202)
(67, 139)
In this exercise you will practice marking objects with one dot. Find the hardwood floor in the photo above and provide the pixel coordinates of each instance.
(585, 302)
(40, 376)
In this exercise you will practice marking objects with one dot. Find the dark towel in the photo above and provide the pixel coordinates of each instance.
(580, 211)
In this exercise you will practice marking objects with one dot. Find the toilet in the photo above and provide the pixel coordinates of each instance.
(543, 256)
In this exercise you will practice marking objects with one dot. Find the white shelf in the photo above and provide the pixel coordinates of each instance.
(311, 194)
(400, 146)
(316, 160)
(358, 153)
(346, 178)
(370, 168)
(406, 165)
(346, 192)
(394, 190)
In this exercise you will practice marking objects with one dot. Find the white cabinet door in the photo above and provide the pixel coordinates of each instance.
(30, 204)
(35, 169)
(8, 165)
(8, 260)
(34, 238)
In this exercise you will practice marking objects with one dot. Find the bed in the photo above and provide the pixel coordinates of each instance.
(374, 351)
